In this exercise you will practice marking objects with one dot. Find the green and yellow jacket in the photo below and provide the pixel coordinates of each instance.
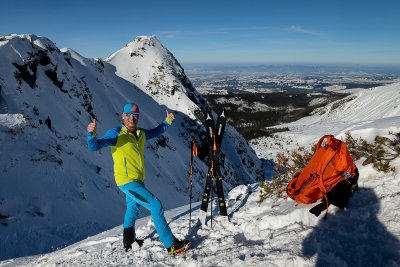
(127, 149)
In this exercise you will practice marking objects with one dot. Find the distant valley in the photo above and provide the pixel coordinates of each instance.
(257, 100)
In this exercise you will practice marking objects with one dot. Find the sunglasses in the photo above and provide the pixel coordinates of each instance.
(128, 114)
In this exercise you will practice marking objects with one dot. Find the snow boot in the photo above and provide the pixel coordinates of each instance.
(139, 242)
(179, 247)
(129, 238)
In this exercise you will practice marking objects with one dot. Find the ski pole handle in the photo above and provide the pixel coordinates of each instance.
(194, 147)
(193, 153)
(193, 150)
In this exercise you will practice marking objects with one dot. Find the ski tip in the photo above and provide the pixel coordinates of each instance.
(222, 113)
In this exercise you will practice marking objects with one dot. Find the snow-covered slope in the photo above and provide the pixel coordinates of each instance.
(276, 233)
(377, 109)
(53, 191)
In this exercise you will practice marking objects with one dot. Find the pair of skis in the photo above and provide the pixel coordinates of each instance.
(215, 133)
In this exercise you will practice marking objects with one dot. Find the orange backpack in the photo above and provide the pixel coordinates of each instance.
(329, 165)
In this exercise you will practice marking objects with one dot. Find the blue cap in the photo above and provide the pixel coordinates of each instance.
(131, 107)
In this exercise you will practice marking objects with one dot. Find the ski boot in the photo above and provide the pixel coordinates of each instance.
(179, 247)
(129, 239)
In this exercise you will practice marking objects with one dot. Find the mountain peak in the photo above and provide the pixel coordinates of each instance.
(31, 39)
(145, 39)
(146, 63)
(138, 46)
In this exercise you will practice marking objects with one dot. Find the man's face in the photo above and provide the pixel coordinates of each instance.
(131, 120)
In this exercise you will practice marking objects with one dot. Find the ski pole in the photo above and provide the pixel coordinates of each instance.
(193, 153)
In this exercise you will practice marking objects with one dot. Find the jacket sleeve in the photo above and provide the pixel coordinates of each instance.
(109, 139)
(159, 130)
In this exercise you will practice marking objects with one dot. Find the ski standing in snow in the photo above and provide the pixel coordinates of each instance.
(127, 147)
(215, 133)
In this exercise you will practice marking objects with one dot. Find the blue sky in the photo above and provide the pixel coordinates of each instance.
(219, 31)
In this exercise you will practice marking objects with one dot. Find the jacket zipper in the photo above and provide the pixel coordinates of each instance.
(126, 169)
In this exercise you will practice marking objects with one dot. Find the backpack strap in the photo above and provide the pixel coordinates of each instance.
(330, 139)
(330, 153)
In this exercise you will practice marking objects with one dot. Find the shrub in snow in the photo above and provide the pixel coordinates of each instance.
(288, 164)
(379, 153)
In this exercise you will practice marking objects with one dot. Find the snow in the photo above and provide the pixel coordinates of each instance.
(11, 121)
(277, 232)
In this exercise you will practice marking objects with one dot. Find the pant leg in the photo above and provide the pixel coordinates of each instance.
(139, 194)
(131, 214)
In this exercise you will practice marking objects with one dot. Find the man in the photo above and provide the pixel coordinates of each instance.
(127, 148)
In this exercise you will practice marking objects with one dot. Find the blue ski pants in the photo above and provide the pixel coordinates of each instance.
(137, 194)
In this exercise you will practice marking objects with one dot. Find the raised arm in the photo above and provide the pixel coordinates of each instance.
(94, 143)
(160, 129)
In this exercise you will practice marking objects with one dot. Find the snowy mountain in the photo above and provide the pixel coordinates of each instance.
(277, 232)
(53, 191)
(146, 63)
